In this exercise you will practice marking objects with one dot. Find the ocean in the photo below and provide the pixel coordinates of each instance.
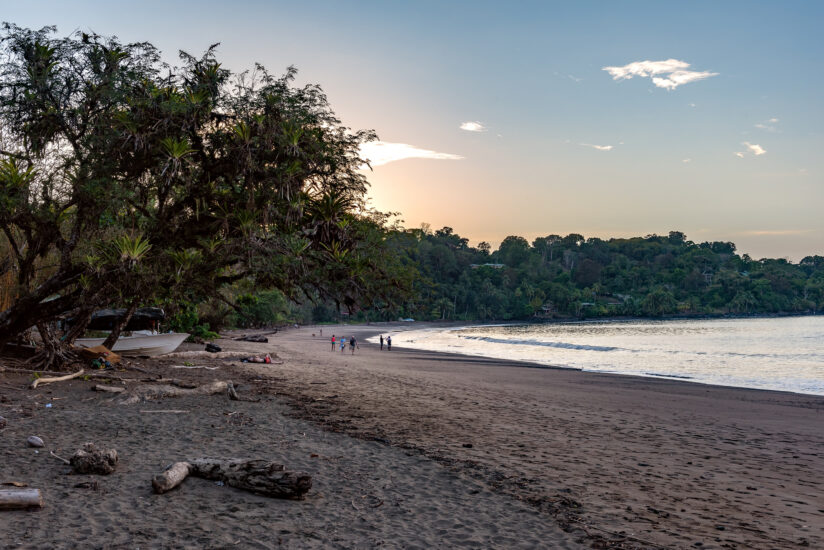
(785, 353)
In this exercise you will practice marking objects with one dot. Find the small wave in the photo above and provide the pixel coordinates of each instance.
(679, 376)
(564, 345)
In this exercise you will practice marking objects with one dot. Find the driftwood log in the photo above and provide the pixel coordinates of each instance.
(20, 499)
(258, 476)
(159, 391)
(38, 381)
(91, 460)
(108, 389)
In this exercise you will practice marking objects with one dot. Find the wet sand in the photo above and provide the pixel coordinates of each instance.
(413, 449)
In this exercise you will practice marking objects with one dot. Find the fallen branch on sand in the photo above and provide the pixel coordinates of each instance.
(20, 499)
(194, 367)
(258, 476)
(160, 391)
(108, 389)
(49, 380)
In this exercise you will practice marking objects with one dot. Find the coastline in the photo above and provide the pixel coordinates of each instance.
(399, 441)
(701, 377)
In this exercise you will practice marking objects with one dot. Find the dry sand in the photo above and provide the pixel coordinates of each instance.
(448, 451)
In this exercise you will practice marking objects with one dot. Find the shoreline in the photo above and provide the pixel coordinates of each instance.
(424, 325)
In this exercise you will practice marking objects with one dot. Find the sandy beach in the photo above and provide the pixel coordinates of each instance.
(412, 449)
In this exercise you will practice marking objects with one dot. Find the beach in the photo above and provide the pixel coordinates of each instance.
(414, 449)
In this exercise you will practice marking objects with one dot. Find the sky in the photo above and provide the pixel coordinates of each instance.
(608, 119)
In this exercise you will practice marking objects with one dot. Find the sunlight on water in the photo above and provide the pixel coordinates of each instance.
(771, 353)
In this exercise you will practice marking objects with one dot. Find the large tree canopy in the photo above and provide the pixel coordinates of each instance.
(123, 180)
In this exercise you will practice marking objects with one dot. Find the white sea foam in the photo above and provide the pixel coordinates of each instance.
(768, 353)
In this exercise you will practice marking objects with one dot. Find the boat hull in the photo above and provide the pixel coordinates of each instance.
(140, 345)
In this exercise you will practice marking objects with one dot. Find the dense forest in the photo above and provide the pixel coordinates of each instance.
(558, 277)
(573, 276)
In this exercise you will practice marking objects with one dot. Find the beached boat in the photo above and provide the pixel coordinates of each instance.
(136, 345)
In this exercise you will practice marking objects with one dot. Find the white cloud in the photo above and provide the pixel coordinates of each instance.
(754, 148)
(667, 74)
(379, 153)
(768, 125)
(739, 154)
(599, 147)
(692, 105)
(685, 161)
(473, 126)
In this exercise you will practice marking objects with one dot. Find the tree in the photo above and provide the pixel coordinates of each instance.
(122, 180)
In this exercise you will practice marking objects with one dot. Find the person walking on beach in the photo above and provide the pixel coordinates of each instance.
(333, 342)
(353, 344)
(389, 343)
(381, 342)
(342, 344)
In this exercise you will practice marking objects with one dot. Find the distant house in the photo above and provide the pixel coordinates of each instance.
(493, 266)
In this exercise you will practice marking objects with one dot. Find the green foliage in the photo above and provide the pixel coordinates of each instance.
(572, 276)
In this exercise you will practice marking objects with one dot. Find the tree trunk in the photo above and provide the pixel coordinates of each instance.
(257, 476)
(19, 499)
(111, 339)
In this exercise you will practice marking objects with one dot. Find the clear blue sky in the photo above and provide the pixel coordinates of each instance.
(720, 139)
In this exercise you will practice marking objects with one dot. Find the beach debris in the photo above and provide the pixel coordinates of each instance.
(108, 389)
(49, 380)
(232, 393)
(257, 476)
(213, 348)
(91, 460)
(257, 359)
(259, 339)
(58, 457)
(20, 499)
(170, 411)
(35, 441)
(194, 367)
(98, 353)
(160, 391)
(2, 422)
(15, 483)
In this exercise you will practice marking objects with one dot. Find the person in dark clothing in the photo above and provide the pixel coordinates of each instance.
(353, 344)
(388, 343)
(381, 341)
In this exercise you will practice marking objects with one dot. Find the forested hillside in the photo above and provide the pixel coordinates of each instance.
(557, 276)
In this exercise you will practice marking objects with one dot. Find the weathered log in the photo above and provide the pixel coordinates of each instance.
(256, 339)
(91, 460)
(20, 499)
(38, 381)
(108, 389)
(150, 392)
(171, 478)
(258, 476)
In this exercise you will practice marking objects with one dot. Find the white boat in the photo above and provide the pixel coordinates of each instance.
(148, 345)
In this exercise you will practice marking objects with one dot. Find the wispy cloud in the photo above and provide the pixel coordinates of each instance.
(379, 153)
(686, 161)
(769, 125)
(473, 126)
(739, 154)
(599, 147)
(668, 74)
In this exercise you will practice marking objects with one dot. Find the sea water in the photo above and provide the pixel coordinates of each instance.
(784, 353)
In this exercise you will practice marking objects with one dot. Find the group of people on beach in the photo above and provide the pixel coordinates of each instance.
(353, 343)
